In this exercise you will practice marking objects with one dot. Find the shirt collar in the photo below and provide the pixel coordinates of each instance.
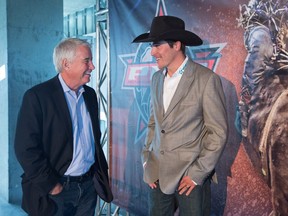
(180, 70)
(66, 88)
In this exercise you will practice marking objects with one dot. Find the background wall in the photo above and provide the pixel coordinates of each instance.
(3, 99)
(28, 34)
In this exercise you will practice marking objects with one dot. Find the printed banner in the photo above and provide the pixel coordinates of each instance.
(242, 189)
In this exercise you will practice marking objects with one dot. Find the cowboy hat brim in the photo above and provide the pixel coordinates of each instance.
(186, 37)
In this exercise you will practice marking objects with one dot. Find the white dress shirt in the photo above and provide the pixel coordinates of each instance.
(171, 84)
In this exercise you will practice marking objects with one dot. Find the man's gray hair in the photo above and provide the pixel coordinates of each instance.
(67, 49)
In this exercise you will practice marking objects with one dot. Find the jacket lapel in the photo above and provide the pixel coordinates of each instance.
(159, 95)
(183, 87)
(92, 109)
(61, 105)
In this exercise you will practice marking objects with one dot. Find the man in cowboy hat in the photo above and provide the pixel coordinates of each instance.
(187, 128)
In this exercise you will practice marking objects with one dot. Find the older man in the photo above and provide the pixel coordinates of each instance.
(57, 139)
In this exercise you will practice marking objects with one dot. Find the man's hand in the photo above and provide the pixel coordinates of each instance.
(152, 185)
(56, 190)
(186, 184)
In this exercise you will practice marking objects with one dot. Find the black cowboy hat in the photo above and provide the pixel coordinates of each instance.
(169, 28)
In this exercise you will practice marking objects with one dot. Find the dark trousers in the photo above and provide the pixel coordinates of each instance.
(76, 199)
(197, 203)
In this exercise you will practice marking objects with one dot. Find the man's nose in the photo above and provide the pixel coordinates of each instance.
(91, 66)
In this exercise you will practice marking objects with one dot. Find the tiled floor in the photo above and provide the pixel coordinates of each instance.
(7, 209)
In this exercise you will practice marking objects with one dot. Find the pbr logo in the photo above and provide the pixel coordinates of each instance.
(140, 66)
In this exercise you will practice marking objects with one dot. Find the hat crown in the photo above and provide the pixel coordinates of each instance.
(169, 28)
(163, 24)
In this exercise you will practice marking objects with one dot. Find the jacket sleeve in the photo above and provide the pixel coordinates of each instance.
(215, 123)
(29, 147)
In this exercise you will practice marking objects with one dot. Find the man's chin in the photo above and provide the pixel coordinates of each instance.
(86, 79)
(87, 76)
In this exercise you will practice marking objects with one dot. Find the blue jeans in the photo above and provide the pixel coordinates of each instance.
(76, 199)
(197, 203)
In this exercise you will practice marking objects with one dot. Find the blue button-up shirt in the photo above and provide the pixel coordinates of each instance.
(83, 138)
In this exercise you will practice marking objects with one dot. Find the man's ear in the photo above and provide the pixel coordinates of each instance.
(65, 64)
(177, 45)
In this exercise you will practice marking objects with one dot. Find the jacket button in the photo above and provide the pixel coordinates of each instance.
(162, 131)
(162, 152)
